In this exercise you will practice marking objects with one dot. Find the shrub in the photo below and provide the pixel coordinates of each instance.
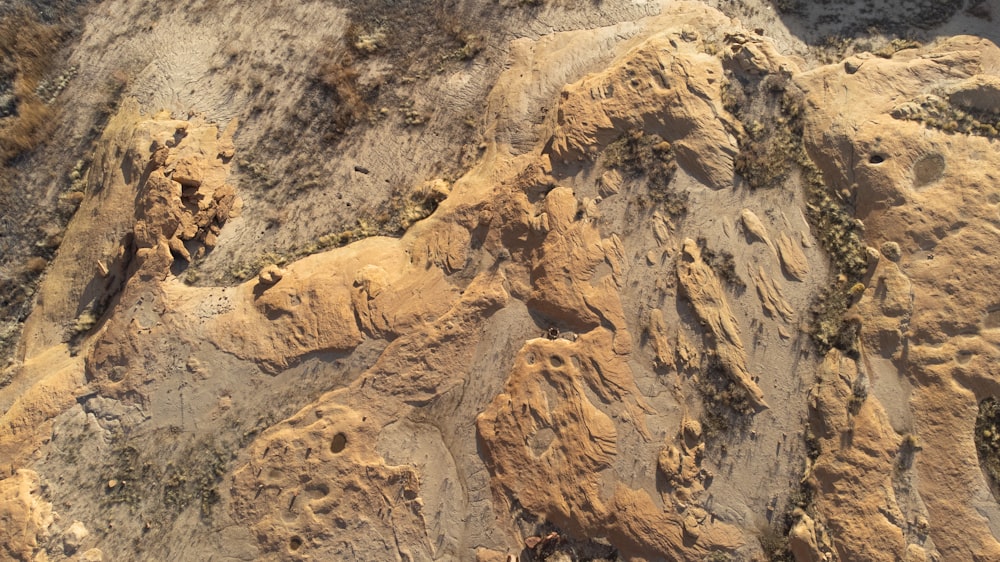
(771, 148)
(27, 53)
(723, 264)
(937, 113)
(340, 80)
(771, 141)
(726, 405)
(987, 438)
(895, 46)
(640, 155)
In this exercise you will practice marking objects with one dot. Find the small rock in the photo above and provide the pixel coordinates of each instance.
(754, 227)
(980, 93)
(793, 260)
(159, 156)
(891, 251)
(270, 275)
(610, 183)
(73, 537)
(189, 172)
(873, 255)
(691, 527)
(692, 430)
(915, 553)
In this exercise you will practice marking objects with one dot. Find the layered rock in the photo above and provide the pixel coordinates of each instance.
(535, 381)
(926, 197)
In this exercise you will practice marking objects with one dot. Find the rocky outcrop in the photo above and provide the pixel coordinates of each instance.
(925, 197)
(526, 369)
(703, 290)
(570, 444)
(666, 85)
(25, 515)
(793, 260)
(853, 471)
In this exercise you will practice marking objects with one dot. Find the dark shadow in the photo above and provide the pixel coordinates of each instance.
(830, 22)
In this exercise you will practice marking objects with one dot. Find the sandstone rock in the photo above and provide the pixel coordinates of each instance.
(755, 228)
(663, 86)
(793, 260)
(980, 93)
(802, 539)
(771, 298)
(189, 172)
(610, 184)
(704, 291)
(73, 537)
(270, 275)
(25, 514)
(450, 315)
(909, 171)
(92, 555)
(585, 439)
(658, 332)
(866, 464)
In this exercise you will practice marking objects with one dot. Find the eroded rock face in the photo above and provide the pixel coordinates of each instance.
(705, 293)
(927, 353)
(26, 516)
(545, 340)
(667, 85)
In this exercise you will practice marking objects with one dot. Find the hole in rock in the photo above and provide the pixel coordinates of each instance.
(338, 443)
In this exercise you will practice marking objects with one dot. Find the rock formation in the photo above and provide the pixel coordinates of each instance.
(581, 352)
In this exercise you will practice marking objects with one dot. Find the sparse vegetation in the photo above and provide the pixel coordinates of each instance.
(32, 74)
(894, 46)
(725, 404)
(773, 536)
(938, 113)
(340, 81)
(723, 264)
(869, 18)
(907, 451)
(859, 393)
(788, 6)
(831, 327)
(135, 479)
(638, 154)
(551, 544)
(769, 155)
(987, 438)
(773, 541)
(770, 111)
(404, 207)
(28, 48)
